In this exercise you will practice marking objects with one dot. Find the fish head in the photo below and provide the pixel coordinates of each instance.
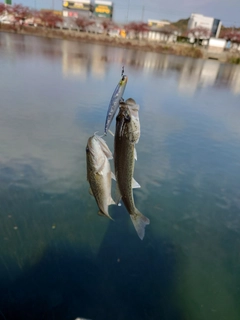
(97, 151)
(94, 152)
(127, 121)
(123, 81)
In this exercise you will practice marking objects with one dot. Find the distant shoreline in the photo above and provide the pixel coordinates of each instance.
(144, 45)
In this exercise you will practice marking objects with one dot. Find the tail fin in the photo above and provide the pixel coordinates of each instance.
(139, 222)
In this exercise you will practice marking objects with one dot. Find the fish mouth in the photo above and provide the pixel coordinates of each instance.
(122, 121)
(89, 150)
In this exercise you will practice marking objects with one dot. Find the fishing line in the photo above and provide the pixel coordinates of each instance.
(122, 71)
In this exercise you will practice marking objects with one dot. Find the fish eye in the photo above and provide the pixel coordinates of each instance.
(118, 118)
(127, 118)
(87, 149)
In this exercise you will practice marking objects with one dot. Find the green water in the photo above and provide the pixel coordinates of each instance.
(58, 258)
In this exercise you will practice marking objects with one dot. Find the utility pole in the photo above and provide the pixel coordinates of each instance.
(143, 9)
(128, 9)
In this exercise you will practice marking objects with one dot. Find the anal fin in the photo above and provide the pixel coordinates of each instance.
(135, 153)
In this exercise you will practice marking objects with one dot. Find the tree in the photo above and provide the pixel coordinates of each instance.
(233, 36)
(19, 12)
(49, 19)
(181, 25)
(36, 18)
(137, 28)
(2, 8)
(108, 25)
(199, 33)
(83, 23)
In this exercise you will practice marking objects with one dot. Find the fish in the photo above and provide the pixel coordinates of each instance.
(114, 102)
(99, 173)
(127, 134)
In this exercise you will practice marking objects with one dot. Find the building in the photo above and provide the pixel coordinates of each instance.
(162, 35)
(211, 24)
(77, 8)
(158, 23)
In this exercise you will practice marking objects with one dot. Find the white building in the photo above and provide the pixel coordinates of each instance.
(209, 23)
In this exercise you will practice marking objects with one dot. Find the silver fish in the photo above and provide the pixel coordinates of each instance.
(127, 135)
(99, 173)
(114, 102)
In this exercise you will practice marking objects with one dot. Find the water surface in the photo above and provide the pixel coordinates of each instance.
(58, 258)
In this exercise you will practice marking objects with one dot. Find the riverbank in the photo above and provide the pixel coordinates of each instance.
(145, 45)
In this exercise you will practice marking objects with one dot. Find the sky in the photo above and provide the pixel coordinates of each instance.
(172, 10)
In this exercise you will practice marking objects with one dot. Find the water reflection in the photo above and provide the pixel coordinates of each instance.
(95, 59)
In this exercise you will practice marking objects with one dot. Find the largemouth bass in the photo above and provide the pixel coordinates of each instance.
(114, 102)
(127, 135)
(99, 173)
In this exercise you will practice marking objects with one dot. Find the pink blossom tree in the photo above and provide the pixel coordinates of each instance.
(2, 8)
(200, 33)
(108, 25)
(83, 23)
(138, 28)
(49, 19)
(19, 12)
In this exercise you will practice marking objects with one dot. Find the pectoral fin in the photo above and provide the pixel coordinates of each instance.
(135, 184)
(90, 191)
(99, 168)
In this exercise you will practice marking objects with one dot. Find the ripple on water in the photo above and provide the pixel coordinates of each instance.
(176, 192)
(156, 183)
(223, 202)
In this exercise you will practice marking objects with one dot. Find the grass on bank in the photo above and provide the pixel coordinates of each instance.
(234, 60)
